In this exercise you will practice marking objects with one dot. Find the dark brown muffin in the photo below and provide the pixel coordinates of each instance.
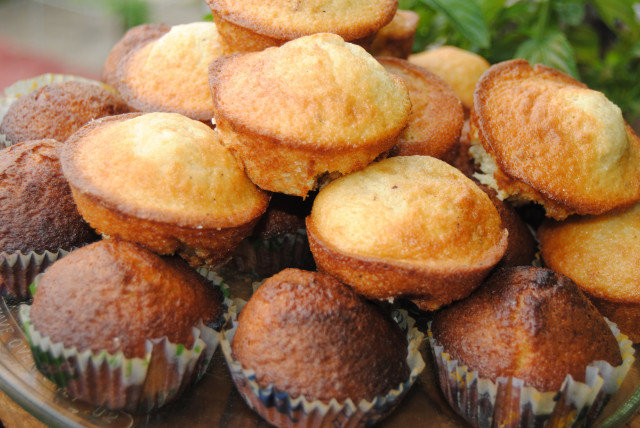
(113, 295)
(311, 335)
(58, 110)
(37, 211)
(529, 323)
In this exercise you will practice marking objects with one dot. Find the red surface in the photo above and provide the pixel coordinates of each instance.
(17, 63)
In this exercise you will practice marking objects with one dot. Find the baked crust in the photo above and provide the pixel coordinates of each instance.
(284, 20)
(459, 68)
(113, 295)
(292, 126)
(436, 116)
(556, 142)
(529, 323)
(310, 335)
(396, 38)
(406, 226)
(152, 184)
(57, 110)
(37, 212)
(165, 68)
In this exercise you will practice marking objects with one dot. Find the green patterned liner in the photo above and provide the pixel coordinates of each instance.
(119, 383)
(23, 87)
(507, 402)
(282, 410)
(18, 271)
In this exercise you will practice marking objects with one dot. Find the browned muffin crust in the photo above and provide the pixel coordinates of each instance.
(311, 335)
(396, 38)
(58, 110)
(37, 212)
(113, 295)
(529, 323)
(133, 39)
(285, 214)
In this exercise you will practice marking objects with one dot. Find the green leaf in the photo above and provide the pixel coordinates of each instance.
(466, 17)
(552, 49)
(570, 12)
(490, 9)
(208, 17)
(612, 11)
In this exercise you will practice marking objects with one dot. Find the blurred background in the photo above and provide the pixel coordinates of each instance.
(596, 41)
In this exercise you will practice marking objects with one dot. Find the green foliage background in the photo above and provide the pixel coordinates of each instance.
(596, 41)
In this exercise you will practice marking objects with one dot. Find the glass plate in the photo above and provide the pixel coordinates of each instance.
(214, 400)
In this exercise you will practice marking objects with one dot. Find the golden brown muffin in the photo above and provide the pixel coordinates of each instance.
(396, 38)
(539, 135)
(407, 226)
(436, 113)
(311, 336)
(57, 110)
(253, 25)
(37, 212)
(529, 323)
(164, 181)
(313, 108)
(602, 255)
(459, 68)
(159, 68)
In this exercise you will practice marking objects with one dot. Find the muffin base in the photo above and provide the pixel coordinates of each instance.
(18, 271)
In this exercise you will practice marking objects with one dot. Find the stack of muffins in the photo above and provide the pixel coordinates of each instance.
(273, 134)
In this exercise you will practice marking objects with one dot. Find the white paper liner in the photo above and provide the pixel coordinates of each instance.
(18, 270)
(507, 402)
(266, 257)
(119, 383)
(282, 410)
(23, 87)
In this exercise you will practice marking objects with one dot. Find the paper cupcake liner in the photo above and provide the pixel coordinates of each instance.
(266, 257)
(507, 402)
(116, 382)
(23, 87)
(282, 410)
(18, 271)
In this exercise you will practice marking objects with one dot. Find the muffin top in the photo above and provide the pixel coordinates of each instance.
(311, 335)
(566, 142)
(168, 72)
(57, 110)
(436, 113)
(415, 210)
(162, 167)
(600, 253)
(37, 212)
(315, 92)
(529, 323)
(396, 38)
(459, 68)
(113, 295)
(284, 19)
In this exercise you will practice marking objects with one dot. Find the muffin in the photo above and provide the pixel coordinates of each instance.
(38, 218)
(396, 38)
(539, 135)
(459, 68)
(602, 255)
(164, 181)
(140, 312)
(436, 113)
(57, 110)
(531, 340)
(307, 336)
(250, 25)
(407, 226)
(313, 109)
(161, 68)
(278, 241)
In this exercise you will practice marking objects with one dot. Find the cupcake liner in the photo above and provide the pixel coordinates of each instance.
(117, 382)
(18, 271)
(23, 87)
(282, 410)
(507, 402)
(266, 257)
